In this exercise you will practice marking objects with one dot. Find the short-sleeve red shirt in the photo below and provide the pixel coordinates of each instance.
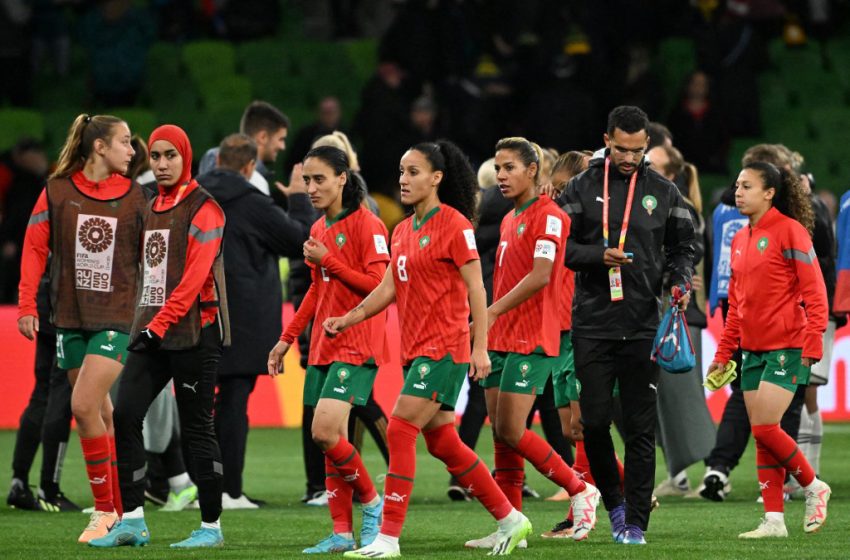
(535, 227)
(433, 306)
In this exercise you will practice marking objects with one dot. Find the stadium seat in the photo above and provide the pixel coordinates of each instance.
(140, 121)
(19, 123)
(207, 60)
(225, 92)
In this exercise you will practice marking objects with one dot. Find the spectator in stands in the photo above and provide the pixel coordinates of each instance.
(699, 125)
(258, 233)
(268, 128)
(117, 35)
(328, 120)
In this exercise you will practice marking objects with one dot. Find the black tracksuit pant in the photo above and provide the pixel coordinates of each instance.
(231, 427)
(46, 420)
(598, 364)
(144, 376)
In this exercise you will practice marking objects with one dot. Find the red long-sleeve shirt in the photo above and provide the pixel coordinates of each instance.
(202, 248)
(37, 237)
(774, 272)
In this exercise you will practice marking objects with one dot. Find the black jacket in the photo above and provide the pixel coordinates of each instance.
(491, 211)
(662, 240)
(256, 233)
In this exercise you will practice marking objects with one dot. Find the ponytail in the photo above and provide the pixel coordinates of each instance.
(459, 185)
(354, 190)
(80, 141)
(790, 198)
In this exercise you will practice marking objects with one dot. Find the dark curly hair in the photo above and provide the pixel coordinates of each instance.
(790, 198)
(459, 185)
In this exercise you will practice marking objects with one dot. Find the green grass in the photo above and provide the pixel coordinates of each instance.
(436, 527)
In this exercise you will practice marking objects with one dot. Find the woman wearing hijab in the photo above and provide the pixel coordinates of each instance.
(178, 331)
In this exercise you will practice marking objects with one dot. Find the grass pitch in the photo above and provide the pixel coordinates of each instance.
(436, 527)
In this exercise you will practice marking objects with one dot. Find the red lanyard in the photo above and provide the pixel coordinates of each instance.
(628, 211)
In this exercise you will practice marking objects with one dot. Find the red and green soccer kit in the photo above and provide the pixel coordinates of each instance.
(775, 271)
(433, 311)
(344, 367)
(525, 342)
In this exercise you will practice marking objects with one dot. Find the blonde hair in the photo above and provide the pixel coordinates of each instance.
(84, 131)
(340, 141)
(572, 163)
(487, 174)
(694, 193)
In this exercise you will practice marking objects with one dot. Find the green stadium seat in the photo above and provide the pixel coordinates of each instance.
(208, 60)
(140, 121)
(225, 93)
(19, 123)
(363, 54)
(674, 60)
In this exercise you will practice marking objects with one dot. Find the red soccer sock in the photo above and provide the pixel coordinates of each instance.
(548, 463)
(339, 498)
(581, 465)
(510, 472)
(785, 451)
(98, 458)
(469, 470)
(401, 440)
(116, 488)
(349, 464)
(771, 477)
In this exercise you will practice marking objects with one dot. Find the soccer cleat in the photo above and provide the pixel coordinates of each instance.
(768, 528)
(618, 522)
(179, 501)
(715, 486)
(378, 549)
(490, 541)
(319, 500)
(201, 538)
(458, 493)
(99, 525)
(21, 497)
(584, 506)
(510, 538)
(56, 504)
(242, 502)
(333, 543)
(528, 491)
(669, 488)
(817, 498)
(371, 522)
(633, 535)
(654, 504)
(561, 530)
(127, 532)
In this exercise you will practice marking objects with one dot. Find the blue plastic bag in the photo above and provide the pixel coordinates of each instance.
(673, 349)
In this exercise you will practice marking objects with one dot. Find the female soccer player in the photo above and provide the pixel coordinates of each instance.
(178, 330)
(348, 254)
(525, 338)
(89, 218)
(435, 278)
(774, 269)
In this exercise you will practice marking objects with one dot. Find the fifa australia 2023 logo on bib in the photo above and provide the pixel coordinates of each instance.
(155, 272)
(94, 252)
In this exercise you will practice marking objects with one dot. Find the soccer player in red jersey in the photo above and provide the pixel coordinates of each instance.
(435, 279)
(89, 218)
(525, 337)
(348, 255)
(774, 270)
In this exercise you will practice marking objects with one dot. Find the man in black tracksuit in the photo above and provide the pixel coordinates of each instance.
(617, 306)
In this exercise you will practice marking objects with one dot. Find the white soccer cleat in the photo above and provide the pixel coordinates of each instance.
(378, 549)
(490, 541)
(817, 498)
(768, 528)
(242, 502)
(584, 507)
(511, 537)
